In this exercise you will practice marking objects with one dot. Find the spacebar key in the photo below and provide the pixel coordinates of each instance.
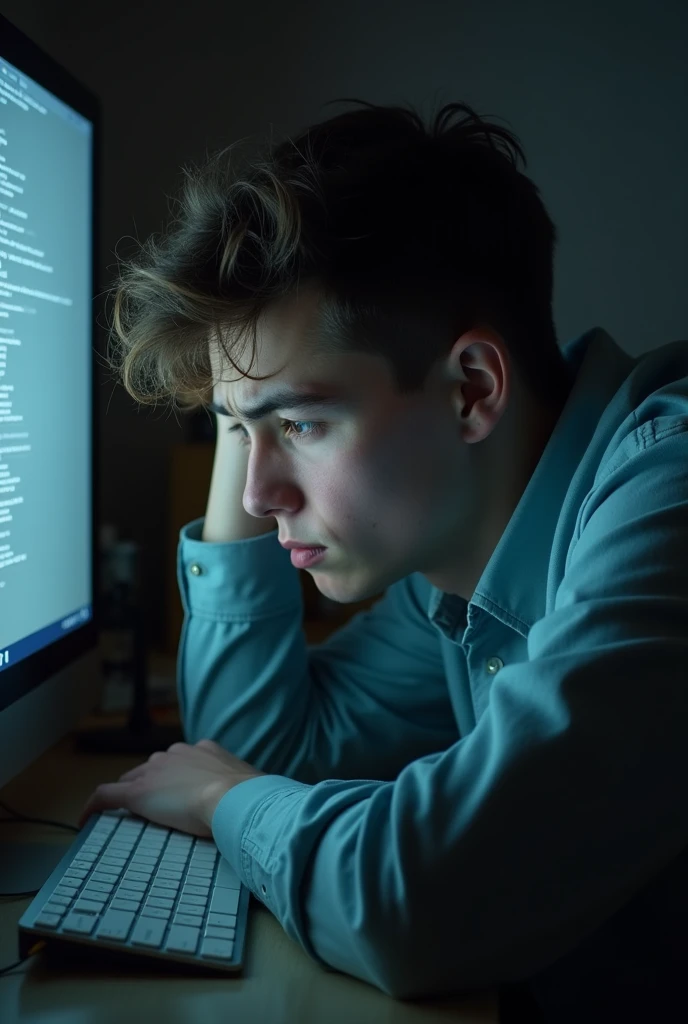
(116, 924)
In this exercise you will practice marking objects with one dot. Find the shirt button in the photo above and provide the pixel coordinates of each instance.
(195, 569)
(263, 890)
(493, 665)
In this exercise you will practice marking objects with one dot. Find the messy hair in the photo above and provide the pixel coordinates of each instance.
(412, 236)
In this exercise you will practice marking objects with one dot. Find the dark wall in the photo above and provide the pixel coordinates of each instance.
(596, 93)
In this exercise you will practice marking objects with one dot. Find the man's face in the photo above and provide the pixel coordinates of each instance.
(389, 484)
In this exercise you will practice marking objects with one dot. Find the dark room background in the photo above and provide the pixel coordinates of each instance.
(595, 91)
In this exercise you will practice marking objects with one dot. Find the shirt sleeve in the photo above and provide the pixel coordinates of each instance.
(486, 862)
(366, 702)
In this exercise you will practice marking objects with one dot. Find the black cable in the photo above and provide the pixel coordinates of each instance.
(32, 952)
(17, 816)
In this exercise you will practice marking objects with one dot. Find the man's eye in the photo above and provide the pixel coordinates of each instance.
(316, 430)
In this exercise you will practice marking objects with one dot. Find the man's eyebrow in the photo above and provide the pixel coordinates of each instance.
(284, 398)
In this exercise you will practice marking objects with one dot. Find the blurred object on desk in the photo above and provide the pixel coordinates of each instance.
(118, 695)
(110, 729)
(122, 619)
(162, 687)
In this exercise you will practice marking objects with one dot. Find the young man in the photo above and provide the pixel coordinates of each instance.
(481, 780)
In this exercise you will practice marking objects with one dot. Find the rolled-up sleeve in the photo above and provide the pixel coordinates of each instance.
(485, 862)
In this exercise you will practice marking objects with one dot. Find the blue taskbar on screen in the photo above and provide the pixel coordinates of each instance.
(36, 641)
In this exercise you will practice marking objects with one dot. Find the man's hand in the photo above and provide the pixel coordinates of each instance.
(179, 788)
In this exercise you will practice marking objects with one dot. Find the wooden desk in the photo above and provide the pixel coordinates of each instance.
(280, 984)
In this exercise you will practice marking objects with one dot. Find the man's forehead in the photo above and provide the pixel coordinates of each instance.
(264, 398)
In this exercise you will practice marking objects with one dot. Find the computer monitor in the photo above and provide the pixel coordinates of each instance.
(49, 206)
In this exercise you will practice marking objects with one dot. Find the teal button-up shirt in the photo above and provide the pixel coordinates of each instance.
(462, 794)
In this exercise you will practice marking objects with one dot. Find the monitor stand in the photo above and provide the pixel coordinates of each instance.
(26, 867)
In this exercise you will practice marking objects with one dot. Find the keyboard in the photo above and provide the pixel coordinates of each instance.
(130, 886)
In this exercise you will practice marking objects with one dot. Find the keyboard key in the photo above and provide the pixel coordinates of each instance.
(87, 907)
(217, 948)
(205, 873)
(167, 894)
(134, 886)
(105, 887)
(197, 890)
(213, 932)
(118, 904)
(156, 901)
(166, 886)
(138, 876)
(224, 920)
(227, 876)
(48, 920)
(195, 901)
(170, 873)
(66, 890)
(148, 932)
(103, 876)
(161, 912)
(225, 901)
(80, 873)
(54, 908)
(182, 939)
(83, 864)
(116, 925)
(128, 894)
(79, 923)
(113, 862)
(190, 919)
(61, 901)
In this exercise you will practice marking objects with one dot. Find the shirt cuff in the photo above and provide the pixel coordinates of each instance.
(232, 820)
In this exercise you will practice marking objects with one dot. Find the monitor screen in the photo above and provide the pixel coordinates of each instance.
(46, 372)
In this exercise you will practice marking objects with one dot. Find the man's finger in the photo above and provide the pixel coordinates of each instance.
(210, 745)
(107, 796)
